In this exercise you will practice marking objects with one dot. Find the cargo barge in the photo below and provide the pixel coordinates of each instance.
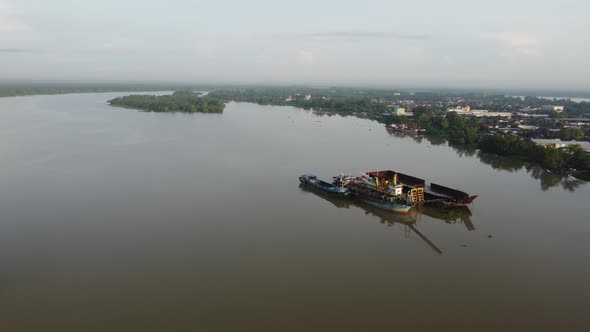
(433, 194)
(391, 191)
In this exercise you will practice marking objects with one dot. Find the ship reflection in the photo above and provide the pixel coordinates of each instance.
(410, 221)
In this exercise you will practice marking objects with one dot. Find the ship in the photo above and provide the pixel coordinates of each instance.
(331, 188)
(385, 194)
(399, 192)
(427, 194)
(390, 199)
(391, 191)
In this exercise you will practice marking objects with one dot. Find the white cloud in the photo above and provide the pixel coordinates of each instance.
(9, 22)
(305, 57)
(514, 45)
(15, 35)
(206, 46)
(522, 44)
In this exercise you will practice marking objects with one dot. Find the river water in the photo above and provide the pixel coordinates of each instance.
(116, 219)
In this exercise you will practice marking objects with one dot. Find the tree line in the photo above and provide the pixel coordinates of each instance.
(472, 131)
(457, 129)
(179, 101)
(332, 100)
(571, 157)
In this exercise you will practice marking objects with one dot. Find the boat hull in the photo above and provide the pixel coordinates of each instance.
(396, 208)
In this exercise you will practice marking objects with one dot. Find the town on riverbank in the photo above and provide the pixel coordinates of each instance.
(550, 131)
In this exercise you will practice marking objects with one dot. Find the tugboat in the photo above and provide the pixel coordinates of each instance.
(331, 188)
(385, 195)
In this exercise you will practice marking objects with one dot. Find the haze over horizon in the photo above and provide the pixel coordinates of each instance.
(503, 44)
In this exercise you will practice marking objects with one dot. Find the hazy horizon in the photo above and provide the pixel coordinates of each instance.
(529, 45)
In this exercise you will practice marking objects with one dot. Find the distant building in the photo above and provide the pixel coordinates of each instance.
(527, 115)
(557, 143)
(307, 97)
(400, 111)
(549, 108)
(290, 98)
(479, 113)
(528, 109)
(459, 109)
(586, 120)
(493, 114)
(528, 127)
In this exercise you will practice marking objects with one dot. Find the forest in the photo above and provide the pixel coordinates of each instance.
(179, 101)
(335, 100)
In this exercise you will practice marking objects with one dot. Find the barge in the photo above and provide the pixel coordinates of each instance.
(433, 194)
(391, 191)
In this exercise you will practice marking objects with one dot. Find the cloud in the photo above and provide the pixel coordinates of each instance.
(9, 22)
(15, 34)
(11, 25)
(206, 47)
(514, 45)
(517, 44)
(305, 57)
(357, 35)
(523, 44)
(15, 50)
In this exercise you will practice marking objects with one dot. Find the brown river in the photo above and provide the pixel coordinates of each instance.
(120, 220)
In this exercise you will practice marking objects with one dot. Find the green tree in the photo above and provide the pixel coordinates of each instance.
(571, 134)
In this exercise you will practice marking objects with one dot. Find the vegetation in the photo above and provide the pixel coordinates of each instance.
(29, 89)
(582, 175)
(457, 129)
(471, 131)
(572, 109)
(179, 101)
(512, 164)
(572, 157)
(372, 104)
(332, 100)
(571, 134)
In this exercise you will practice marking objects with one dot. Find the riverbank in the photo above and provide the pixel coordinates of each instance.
(450, 126)
(39, 89)
(582, 175)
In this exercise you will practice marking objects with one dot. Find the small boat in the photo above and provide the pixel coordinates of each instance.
(313, 181)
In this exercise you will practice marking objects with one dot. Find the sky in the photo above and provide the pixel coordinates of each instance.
(431, 43)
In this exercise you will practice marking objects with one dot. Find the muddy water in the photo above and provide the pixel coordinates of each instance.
(115, 219)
